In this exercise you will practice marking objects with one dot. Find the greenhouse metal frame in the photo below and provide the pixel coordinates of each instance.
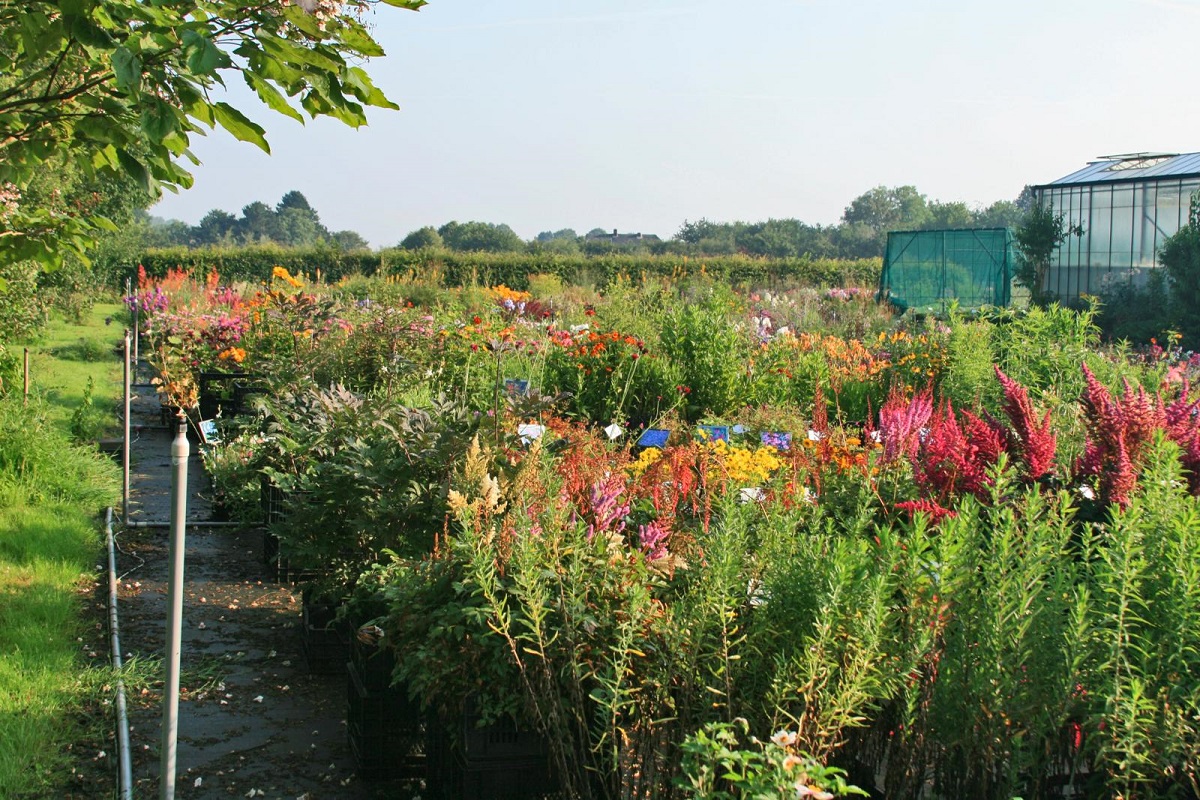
(1127, 206)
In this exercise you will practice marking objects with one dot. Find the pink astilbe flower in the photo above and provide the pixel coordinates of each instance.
(901, 420)
(1033, 441)
(652, 539)
(606, 511)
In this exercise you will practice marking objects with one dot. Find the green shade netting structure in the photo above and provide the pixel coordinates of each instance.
(929, 270)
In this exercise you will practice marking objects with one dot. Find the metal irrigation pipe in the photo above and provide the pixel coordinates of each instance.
(123, 755)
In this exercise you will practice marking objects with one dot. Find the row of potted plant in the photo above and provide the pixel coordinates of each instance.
(978, 587)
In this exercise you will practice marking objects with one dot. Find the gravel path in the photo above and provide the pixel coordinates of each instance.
(253, 721)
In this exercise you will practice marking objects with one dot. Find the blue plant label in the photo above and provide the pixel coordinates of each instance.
(653, 437)
(516, 387)
(208, 430)
(714, 433)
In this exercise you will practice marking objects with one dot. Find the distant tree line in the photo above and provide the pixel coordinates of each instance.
(862, 232)
(293, 222)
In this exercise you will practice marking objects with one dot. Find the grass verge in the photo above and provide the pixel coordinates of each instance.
(51, 493)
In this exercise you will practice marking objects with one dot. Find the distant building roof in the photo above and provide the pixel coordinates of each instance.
(623, 238)
(1133, 167)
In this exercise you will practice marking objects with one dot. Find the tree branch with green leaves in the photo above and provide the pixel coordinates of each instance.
(121, 86)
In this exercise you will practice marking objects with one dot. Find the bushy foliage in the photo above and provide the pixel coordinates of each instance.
(512, 269)
(1180, 257)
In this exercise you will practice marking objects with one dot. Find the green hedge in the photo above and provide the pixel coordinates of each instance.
(511, 269)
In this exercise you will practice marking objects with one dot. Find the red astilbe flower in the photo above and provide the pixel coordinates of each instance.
(955, 460)
(1118, 435)
(1118, 480)
(927, 507)
(1143, 414)
(1032, 441)
(1182, 421)
(900, 422)
(986, 437)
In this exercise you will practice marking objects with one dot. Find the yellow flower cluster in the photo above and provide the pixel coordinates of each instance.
(744, 465)
(235, 354)
(644, 461)
(282, 274)
(501, 293)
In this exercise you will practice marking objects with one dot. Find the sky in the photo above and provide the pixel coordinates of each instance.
(637, 116)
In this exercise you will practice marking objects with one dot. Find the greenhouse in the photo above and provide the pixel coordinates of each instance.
(930, 270)
(1127, 206)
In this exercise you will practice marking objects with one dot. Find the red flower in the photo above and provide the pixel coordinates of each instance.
(927, 507)
(1034, 442)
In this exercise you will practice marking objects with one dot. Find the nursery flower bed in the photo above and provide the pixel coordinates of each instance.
(943, 558)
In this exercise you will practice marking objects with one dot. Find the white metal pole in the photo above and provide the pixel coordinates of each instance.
(180, 450)
(123, 753)
(125, 439)
(137, 328)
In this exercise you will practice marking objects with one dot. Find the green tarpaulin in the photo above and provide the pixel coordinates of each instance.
(929, 270)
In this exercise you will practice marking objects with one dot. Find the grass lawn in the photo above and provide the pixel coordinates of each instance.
(66, 355)
(51, 493)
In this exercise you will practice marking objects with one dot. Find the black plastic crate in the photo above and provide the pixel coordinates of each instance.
(498, 762)
(500, 740)
(510, 780)
(324, 641)
(272, 500)
(374, 663)
(386, 731)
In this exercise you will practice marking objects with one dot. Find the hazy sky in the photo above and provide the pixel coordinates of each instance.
(549, 114)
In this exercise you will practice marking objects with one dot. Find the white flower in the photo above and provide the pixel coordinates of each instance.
(805, 790)
(752, 494)
(784, 738)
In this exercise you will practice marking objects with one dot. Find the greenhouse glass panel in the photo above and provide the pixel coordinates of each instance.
(1186, 190)
(1167, 218)
(1146, 248)
(1100, 236)
(1121, 250)
(1083, 220)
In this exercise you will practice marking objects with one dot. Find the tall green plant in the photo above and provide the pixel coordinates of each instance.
(710, 353)
(1180, 256)
(1144, 638)
(1038, 237)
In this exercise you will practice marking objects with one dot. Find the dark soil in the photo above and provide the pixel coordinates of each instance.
(252, 721)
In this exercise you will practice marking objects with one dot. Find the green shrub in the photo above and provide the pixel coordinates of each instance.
(254, 264)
